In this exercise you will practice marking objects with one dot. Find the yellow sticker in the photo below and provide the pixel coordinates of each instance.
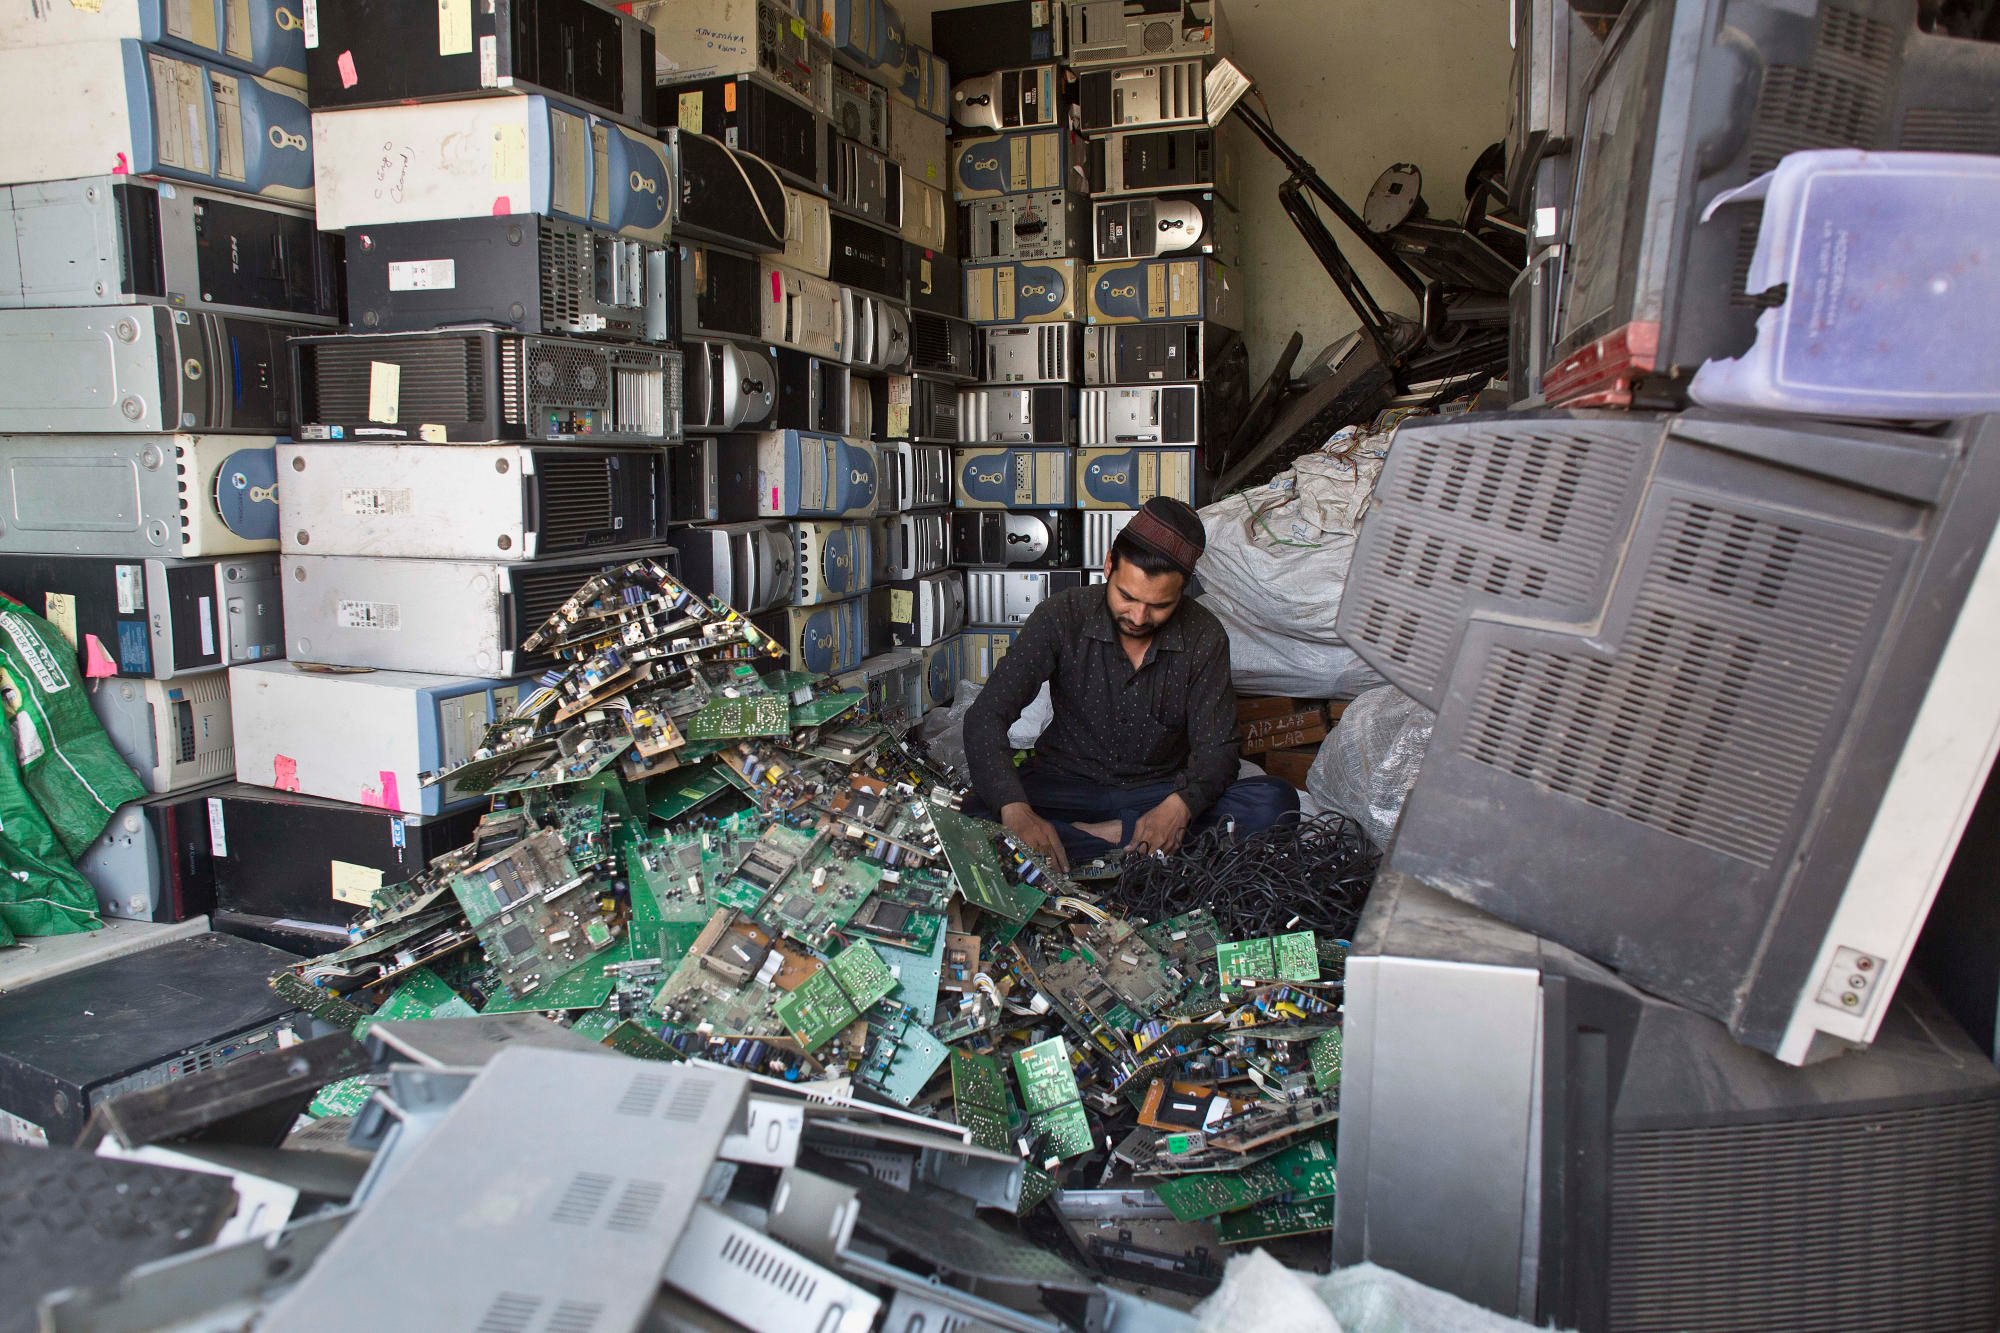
(59, 609)
(902, 605)
(431, 433)
(385, 391)
(454, 27)
(690, 113)
(798, 27)
(510, 154)
(355, 884)
(88, 6)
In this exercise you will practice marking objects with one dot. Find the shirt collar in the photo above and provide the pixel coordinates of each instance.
(1171, 637)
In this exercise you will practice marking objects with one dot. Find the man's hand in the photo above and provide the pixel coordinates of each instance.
(1161, 828)
(1020, 819)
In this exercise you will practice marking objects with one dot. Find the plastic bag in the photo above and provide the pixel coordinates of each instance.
(1280, 552)
(1266, 661)
(943, 730)
(1370, 1299)
(1369, 762)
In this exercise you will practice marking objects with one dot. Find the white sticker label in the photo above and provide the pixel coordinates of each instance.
(454, 27)
(369, 615)
(309, 22)
(423, 275)
(376, 501)
(489, 64)
(385, 391)
(355, 885)
(205, 610)
(131, 584)
(218, 836)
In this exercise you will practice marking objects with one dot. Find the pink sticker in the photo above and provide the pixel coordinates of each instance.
(391, 798)
(777, 290)
(96, 662)
(121, 169)
(345, 63)
(372, 799)
(502, 206)
(284, 772)
(774, 500)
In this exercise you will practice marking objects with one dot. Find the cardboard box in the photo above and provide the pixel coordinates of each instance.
(1250, 708)
(1291, 765)
(1284, 740)
(1307, 726)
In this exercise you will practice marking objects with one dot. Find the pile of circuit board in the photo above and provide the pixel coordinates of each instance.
(690, 859)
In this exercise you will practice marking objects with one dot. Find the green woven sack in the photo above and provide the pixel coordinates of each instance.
(60, 780)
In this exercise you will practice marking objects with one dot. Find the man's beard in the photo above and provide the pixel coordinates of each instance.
(1143, 632)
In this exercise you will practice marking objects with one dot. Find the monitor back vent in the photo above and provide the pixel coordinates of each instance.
(1528, 512)
(1834, 102)
(1883, 1220)
(1707, 721)
(1934, 129)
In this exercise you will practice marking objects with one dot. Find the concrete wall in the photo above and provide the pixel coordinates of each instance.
(1354, 85)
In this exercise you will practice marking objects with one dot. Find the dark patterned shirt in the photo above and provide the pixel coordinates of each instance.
(1172, 718)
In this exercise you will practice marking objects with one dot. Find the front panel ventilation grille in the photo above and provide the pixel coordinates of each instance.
(537, 592)
(1709, 721)
(566, 268)
(1488, 511)
(579, 501)
(442, 379)
(1848, 1222)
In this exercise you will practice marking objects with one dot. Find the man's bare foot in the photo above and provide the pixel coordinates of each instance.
(1108, 830)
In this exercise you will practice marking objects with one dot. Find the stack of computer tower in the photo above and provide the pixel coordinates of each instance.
(1094, 226)
(810, 245)
(157, 248)
(489, 428)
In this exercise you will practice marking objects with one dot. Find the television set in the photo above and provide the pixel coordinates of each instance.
(1524, 1130)
(1694, 97)
(1553, 51)
(1714, 696)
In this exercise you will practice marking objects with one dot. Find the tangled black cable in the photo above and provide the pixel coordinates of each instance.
(1308, 874)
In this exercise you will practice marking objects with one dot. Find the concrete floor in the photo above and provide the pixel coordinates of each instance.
(1354, 85)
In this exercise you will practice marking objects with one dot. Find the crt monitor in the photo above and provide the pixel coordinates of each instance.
(1694, 97)
(1738, 673)
(1553, 51)
(1522, 1129)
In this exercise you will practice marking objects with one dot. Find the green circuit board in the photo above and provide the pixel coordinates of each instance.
(968, 846)
(818, 899)
(817, 1011)
(1325, 1056)
(735, 718)
(900, 1057)
(1273, 1220)
(1191, 1198)
(862, 974)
